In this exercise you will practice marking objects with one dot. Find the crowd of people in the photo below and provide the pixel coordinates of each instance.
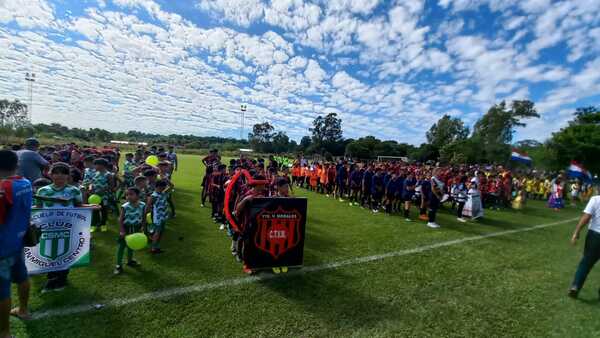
(395, 186)
(67, 175)
(140, 195)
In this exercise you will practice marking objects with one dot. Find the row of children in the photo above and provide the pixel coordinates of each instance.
(139, 196)
(263, 180)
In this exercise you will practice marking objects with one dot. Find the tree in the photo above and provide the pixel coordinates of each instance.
(327, 134)
(305, 144)
(445, 131)
(261, 136)
(493, 133)
(281, 143)
(12, 113)
(579, 141)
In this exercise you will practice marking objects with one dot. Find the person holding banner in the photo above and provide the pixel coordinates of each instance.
(15, 211)
(59, 194)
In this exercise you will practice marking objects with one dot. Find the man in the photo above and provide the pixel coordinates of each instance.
(591, 250)
(15, 210)
(31, 163)
(172, 157)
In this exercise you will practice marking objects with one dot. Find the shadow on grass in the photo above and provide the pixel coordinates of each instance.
(333, 304)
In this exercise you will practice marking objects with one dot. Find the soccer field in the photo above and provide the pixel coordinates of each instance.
(364, 275)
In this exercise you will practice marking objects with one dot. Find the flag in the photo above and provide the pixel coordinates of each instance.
(519, 156)
(577, 170)
(65, 239)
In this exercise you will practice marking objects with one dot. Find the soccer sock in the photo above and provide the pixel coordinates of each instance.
(129, 255)
(120, 251)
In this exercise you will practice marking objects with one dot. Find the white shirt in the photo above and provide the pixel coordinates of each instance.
(593, 209)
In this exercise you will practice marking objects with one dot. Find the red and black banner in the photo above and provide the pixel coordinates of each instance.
(276, 233)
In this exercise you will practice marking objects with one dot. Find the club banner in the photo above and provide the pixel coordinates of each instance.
(65, 239)
(276, 234)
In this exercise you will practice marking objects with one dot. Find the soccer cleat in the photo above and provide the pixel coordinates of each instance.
(247, 270)
(375, 211)
(462, 220)
(118, 270)
(408, 219)
(433, 225)
(573, 293)
(133, 263)
(276, 271)
(103, 228)
(202, 205)
(341, 200)
(351, 204)
(423, 217)
(284, 269)
(222, 227)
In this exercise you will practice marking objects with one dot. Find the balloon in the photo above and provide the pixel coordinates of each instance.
(136, 241)
(152, 160)
(94, 199)
(149, 218)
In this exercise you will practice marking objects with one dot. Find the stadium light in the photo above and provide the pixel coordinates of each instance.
(30, 78)
(243, 109)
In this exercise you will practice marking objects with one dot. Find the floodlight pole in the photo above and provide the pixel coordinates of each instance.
(30, 78)
(243, 109)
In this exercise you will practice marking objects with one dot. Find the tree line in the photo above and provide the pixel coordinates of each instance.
(449, 140)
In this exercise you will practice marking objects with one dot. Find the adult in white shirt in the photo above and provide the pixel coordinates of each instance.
(591, 251)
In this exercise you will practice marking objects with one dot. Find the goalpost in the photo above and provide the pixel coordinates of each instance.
(397, 158)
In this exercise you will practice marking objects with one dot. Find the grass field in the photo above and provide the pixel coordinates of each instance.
(512, 285)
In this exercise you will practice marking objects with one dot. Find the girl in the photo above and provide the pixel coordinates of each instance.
(556, 195)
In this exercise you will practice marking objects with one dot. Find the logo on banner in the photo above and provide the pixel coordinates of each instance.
(278, 231)
(55, 243)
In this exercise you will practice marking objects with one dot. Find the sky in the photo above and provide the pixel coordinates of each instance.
(387, 68)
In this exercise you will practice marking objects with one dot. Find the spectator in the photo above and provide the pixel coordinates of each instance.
(31, 163)
(15, 212)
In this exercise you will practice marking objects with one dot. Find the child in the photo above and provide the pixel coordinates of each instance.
(408, 193)
(129, 170)
(102, 185)
(59, 194)
(460, 194)
(131, 220)
(165, 173)
(158, 205)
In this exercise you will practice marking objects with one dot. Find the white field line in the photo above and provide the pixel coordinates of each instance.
(174, 292)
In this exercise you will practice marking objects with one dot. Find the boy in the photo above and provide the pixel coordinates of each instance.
(129, 170)
(59, 194)
(15, 212)
(131, 220)
(102, 184)
(158, 205)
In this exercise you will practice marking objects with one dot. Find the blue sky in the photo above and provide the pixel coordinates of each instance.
(388, 68)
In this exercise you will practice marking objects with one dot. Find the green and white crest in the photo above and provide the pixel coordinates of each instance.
(55, 243)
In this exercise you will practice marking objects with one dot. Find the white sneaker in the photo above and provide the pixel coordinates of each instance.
(341, 200)
(408, 219)
(327, 195)
(375, 211)
(462, 220)
(351, 204)
(222, 227)
(433, 225)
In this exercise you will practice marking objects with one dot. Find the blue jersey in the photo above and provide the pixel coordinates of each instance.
(17, 199)
(367, 178)
(377, 186)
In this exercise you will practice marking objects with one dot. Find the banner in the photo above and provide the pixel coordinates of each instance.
(276, 234)
(65, 239)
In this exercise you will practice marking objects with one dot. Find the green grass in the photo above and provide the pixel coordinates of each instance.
(511, 286)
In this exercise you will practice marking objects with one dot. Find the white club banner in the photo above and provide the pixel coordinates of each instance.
(65, 239)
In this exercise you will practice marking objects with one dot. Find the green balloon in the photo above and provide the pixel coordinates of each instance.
(136, 241)
(95, 199)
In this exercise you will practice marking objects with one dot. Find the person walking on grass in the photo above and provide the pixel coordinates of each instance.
(16, 198)
(591, 250)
